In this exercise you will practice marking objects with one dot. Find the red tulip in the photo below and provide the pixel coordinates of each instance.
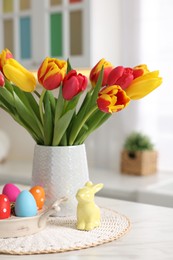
(51, 73)
(120, 76)
(94, 74)
(112, 99)
(73, 84)
(2, 81)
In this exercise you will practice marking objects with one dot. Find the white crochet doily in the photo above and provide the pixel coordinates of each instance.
(61, 235)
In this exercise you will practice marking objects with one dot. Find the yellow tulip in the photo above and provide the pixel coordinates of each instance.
(140, 70)
(143, 85)
(4, 55)
(20, 76)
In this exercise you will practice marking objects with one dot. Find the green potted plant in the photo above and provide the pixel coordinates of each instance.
(138, 156)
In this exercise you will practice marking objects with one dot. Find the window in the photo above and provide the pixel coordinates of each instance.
(15, 23)
(32, 30)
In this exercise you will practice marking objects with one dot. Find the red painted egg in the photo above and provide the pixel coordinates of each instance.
(4, 207)
(39, 195)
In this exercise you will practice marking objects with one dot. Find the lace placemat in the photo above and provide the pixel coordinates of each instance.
(61, 235)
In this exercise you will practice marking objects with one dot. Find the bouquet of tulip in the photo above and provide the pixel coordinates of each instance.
(61, 119)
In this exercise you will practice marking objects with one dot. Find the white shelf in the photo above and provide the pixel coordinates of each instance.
(144, 189)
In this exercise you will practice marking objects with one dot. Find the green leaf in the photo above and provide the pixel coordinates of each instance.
(16, 117)
(63, 141)
(69, 67)
(33, 104)
(22, 107)
(59, 105)
(97, 88)
(48, 121)
(29, 101)
(61, 126)
(41, 104)
(86, 110)
(25, 99)
(93, 123)
(52, 101)
(8, 86)
(75, 131)
(72, 103)
(19, 120)
(27, 116)
(6, 104)
(8, 96)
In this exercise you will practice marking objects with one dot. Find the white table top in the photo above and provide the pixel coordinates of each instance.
(150, 237)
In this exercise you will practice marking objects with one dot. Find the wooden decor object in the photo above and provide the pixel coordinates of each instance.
(139, 162)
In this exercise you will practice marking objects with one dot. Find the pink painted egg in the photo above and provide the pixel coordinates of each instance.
(11, 191)
(4, 207)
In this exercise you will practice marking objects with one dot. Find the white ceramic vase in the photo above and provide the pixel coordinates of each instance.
(61, 171)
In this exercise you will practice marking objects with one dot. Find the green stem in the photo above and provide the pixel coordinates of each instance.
(92, 128)
(79, 126)
(41, 105)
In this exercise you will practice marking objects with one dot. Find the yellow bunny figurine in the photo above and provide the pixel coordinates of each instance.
(88, 213)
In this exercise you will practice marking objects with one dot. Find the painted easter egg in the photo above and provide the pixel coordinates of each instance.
(4, 207)
(39, 195)
(25, 205)
(11, 191)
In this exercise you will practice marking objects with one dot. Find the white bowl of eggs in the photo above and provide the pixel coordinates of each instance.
(22, 213)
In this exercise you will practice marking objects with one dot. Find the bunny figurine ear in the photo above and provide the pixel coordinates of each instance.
(97, 187)
(89, 184)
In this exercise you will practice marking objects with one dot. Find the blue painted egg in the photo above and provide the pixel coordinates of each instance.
(25, 205)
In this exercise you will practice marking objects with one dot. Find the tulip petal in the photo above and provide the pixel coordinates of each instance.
(51, 72)
(103, 103)
(52, 82)
(4, 56)
(94, 74)
(43, 68)
(112, 99)
(139, 68)
(22, 79)
(124, 81)
(114, 75)
(2, 81)
(153, 74)
(73, 84)
(140, 89)
(17, 65)
(70, 88)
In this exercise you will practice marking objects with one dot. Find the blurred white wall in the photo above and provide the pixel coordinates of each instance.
(21, 144)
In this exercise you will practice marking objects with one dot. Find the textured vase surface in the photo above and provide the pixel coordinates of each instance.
(61, 171)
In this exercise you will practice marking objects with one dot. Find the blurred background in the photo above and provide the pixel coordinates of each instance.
(125, 32)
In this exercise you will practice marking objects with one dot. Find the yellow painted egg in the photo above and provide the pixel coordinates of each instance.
(39, 195)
